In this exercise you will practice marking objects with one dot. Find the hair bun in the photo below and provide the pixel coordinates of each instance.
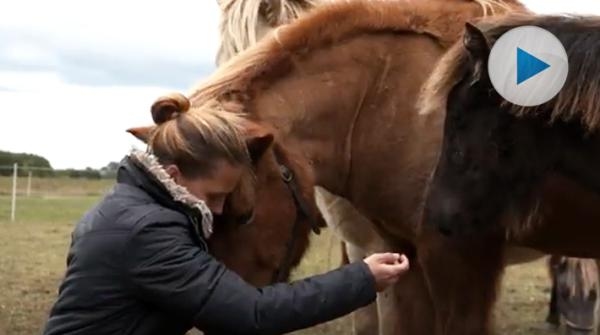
(169, 107)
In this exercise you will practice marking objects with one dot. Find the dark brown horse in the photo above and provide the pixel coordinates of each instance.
(496, 155)
(526, 175)
(574, 303)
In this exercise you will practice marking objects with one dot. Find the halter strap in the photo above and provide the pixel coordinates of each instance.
(301, 212)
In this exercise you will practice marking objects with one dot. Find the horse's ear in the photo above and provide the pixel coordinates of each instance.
(475, 42)
(258, 140)
(141, 133)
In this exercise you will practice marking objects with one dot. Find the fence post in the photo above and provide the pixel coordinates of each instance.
(14, 192)
(29, 184)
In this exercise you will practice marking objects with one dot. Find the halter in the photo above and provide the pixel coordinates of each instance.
(301, 211)
(573, 326)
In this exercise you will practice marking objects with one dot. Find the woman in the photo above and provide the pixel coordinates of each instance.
(138, 263)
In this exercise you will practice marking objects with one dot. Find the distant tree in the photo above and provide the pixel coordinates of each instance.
(25, 161)
(110, 170)
(42, 168)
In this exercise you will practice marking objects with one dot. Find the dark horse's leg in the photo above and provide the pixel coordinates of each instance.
(553, 317)
(462, 276)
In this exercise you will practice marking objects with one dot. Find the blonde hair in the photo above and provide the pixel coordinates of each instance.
(245, 22)
(196, 138)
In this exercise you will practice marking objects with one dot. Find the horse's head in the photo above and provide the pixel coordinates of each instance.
(284, 211)
(496, 154)
(265, 226)
(576, 284)
(487, 158)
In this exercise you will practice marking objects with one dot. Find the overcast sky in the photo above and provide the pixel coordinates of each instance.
(98, 65)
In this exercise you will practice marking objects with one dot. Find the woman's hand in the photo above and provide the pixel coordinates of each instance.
(386, 268)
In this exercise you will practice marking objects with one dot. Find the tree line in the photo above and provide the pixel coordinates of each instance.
(40, 167)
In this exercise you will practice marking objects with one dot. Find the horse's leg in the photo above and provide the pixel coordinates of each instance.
(404, 308)
(553, 317)
(408, 308)
(344, 221)
(344, 254)
(462, 277)
(365, 320)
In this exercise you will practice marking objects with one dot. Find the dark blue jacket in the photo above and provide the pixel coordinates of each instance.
(136, 266)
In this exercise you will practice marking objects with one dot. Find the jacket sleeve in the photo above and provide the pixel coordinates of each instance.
(168, 270)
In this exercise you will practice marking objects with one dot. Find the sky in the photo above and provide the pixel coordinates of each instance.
(74, 75)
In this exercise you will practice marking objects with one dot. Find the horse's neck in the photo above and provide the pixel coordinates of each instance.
(313, 109)
(347, 99)
(344, 106)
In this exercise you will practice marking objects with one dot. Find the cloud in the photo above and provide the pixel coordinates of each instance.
(111, 43)
(75, 74)
(109, 67)
(72, 125)
(6, 89)
(559, 6)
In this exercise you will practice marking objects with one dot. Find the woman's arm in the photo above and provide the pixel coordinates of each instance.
(166, 269)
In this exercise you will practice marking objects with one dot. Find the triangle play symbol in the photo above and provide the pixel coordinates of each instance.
(528, 65)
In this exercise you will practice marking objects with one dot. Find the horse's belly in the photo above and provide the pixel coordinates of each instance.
(514, 255)
(347, 222)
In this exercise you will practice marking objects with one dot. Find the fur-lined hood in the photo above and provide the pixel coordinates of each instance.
(179, 193)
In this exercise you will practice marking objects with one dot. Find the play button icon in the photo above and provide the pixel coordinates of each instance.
(528, 66)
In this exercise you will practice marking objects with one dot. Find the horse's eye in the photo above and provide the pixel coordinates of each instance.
(246, 218)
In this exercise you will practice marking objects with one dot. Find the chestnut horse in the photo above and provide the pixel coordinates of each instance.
(508, 174)
(243, 23)
(367, 144)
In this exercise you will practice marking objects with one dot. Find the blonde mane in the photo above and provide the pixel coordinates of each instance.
(335, 21)
(580, 95)
(586, 268)
(244, 22)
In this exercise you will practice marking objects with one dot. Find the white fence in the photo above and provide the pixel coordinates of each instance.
(20, 182)
(15, 171)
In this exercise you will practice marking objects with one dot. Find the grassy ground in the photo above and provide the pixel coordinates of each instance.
(33, 250)
(55, 187)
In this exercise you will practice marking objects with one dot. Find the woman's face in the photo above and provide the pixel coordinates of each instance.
(213, 188)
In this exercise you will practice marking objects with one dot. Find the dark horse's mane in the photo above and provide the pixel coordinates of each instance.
(579, 97)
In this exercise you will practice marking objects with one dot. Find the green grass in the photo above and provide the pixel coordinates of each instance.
(49, 210)
(33, 250)
(56, 186)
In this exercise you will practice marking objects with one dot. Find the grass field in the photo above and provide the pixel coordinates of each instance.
(33, 250)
